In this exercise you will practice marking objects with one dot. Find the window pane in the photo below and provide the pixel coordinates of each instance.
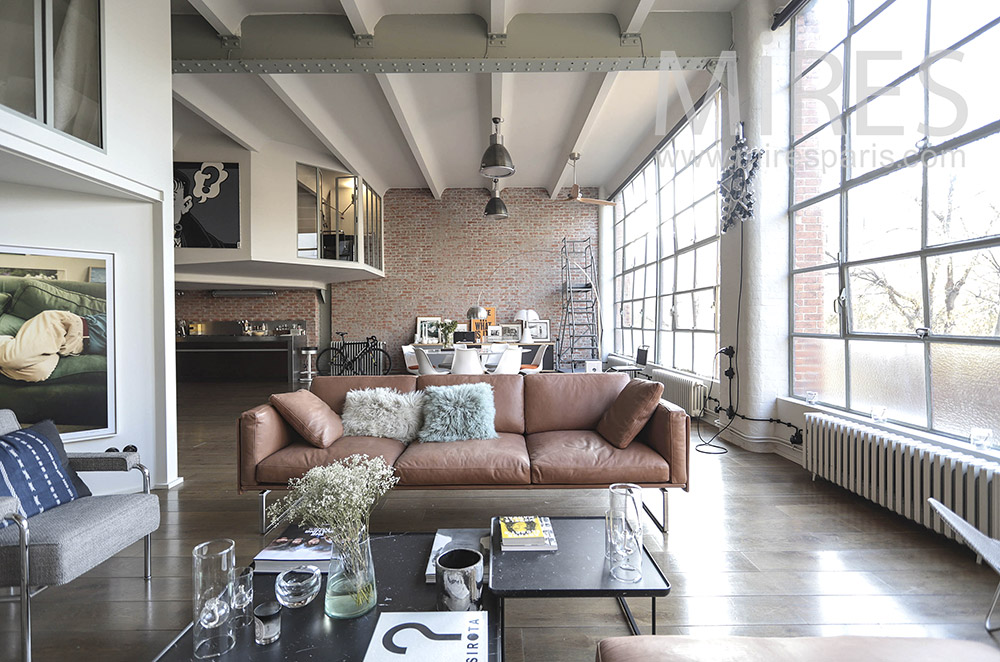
(951, 22)
(76, 34)
(963, 388)
(650, 279)
(886, 297)
(818, 96)
(963, 199)
(975, 104)
(707, 259)
(666, 313)
(665, 159)
(821, 26)
(818, 365)
(883, 215)
(308, 224)
(618, 341)
(891, 44)
(665, 349)
(706, 218)
(667, 276)
(17, 55)
(704, 353)
(815, 293)
(704, 310)
(817, 233)
(817, 163)
(706, 127)
(886, 129)
(638, 284)
(965, 293)
(667, 220)
(685, 271)
(684, 306)
(682, 350)
(685, 228)
(890, 375)
(619, 234)
(684, 188)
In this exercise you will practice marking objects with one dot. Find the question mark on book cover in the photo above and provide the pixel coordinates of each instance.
(393, 647)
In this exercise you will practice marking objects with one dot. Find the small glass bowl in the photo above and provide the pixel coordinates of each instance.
(299, 586)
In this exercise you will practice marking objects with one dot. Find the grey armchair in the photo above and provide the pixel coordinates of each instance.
(59, 545)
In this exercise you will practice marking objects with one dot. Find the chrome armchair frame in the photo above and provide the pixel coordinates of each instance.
(87, 462)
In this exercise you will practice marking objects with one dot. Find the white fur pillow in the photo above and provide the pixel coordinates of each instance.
(383, 412)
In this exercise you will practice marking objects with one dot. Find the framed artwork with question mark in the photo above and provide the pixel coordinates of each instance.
(206, 205)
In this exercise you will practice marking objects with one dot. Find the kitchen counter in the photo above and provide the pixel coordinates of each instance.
(229, 358)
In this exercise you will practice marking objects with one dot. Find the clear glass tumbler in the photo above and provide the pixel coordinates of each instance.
(627, 497)
(626, 548)
(243, 597)
(213, 576)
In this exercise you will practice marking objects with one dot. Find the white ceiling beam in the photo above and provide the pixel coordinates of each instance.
(363, 19)
(581, 128)
(400, 98)
(225, 16)
(197, 94)
(632, 16)
(499, 16)
(296, 93)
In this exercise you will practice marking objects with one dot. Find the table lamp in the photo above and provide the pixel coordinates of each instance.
(524, 316)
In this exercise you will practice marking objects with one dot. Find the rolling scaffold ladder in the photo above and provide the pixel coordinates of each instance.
(580, 329)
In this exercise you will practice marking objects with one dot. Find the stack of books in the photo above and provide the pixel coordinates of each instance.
(294, 547)
(526, 533)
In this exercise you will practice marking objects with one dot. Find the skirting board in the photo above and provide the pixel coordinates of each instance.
(169, 485)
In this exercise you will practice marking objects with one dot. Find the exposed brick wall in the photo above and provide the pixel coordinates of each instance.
(440, 254)
(200, 306)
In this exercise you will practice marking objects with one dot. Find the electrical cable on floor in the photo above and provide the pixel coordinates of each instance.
(705, 445)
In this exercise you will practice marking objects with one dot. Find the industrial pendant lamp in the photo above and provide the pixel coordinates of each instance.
(495, 209)
(496, 159)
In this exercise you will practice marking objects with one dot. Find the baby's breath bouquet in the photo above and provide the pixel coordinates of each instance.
(338, 498)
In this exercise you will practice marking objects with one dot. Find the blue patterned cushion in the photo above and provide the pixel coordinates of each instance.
(30, 470)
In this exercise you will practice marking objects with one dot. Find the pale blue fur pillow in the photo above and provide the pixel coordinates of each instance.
(462, 411)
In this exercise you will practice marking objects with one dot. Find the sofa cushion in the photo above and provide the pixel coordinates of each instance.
(383, 412)
(34, 296)
(500, 461)
(10, 324)
(310, 416)
(583, 457)
(630, 411)
(295, 459)
(333, 390)
(458, 412)
(508, 396)
(555, 401)
(677, 648)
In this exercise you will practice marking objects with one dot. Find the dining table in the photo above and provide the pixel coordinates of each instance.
(484, 354)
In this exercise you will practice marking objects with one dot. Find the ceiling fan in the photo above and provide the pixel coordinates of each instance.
(574, 193)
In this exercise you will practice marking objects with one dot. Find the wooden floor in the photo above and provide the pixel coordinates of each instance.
(755, 548)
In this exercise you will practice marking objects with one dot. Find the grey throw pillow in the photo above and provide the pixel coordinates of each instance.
(383, 412)
(462, 411)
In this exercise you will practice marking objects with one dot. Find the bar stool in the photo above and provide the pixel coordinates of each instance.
(306, 374)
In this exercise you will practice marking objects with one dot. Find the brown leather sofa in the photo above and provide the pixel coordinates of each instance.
(673, 648)
(546, 424)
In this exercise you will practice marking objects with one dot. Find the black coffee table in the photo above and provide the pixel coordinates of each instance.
(578, 569)
(307, 633)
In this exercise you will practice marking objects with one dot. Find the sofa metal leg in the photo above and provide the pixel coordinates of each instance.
(24, 536)
(661, 524)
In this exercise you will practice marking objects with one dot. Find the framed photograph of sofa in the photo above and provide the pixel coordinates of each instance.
(429, 329)
(57, 340)
(539, 330)
(510, 332)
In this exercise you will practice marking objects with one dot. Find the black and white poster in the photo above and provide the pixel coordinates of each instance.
(206, 205)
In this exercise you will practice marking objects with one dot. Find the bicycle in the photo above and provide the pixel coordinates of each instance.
(337, 362)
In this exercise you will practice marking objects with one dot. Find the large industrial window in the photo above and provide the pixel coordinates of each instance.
(50, 64)
(895, 214)
(666, 249)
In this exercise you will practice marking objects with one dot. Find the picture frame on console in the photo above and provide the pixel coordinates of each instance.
(510, 332)
(494, 333)
(540, 331)
(429, 329)
(75, 390)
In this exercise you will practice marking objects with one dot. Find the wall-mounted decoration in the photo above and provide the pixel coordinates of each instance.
(736, 185)
(539, 330)
(57, 341)
(510, 332)
(491, 315)
(494, 333)
(429, 329)
(479, 327)
(97, 275)
(206, 205)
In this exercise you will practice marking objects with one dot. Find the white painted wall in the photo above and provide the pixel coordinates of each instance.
(126, 211)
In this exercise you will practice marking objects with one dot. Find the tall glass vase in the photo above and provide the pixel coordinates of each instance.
(350, 584)
(213, 575)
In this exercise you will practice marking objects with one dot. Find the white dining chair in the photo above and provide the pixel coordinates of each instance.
(495, 350)
(509, 363)
(466, 363)
(534, 364)
(424, 365)
(410, 360)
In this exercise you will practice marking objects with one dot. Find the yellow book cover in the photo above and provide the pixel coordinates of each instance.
(521, 527)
